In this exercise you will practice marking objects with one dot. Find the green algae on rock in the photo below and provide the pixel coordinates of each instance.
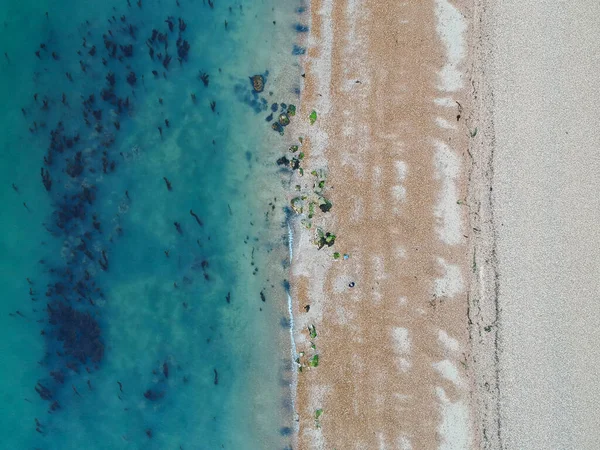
(284, 120)
(324, 239)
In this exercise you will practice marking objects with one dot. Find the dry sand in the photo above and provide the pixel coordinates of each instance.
(544, 61)
(390, 83)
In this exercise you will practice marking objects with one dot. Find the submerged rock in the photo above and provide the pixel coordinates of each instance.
(283, 161)
(284, 119)
(277, 127)
(258, 83)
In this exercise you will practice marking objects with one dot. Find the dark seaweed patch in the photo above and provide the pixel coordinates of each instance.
(301, 28)
(80, 146)
(298, 50)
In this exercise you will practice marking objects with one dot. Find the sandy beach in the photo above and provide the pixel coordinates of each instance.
(390, 84)
(544, 62)
(461, 154)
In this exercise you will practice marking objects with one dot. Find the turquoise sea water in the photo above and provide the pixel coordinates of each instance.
(139, 333)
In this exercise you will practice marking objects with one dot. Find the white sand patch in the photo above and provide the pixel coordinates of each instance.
(401, 340)
(348, 130)
(404, 443)
(358, 211)
(402, 398)
(399, 191)
(403, 364)
(377, 171)
(381, 441)
(454, 428)
(448, 342)
(341, 284)
(447, 166)
(355, 11)
(402, 301)
(451, 27)
(353, 156)
(400, 170)
(451, 282)
(448, 371)
(443, 123)
(322, 65)
(399, 194)
(378, 268)
(377, 204)
(377, 297)
(343, 316)
(448, 102)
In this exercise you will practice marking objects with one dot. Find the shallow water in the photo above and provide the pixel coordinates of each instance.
(178, 316)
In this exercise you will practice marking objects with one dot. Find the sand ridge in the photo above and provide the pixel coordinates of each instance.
(394, 349)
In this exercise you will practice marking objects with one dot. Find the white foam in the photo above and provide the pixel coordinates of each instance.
(447, 211)
(454, 427)
(294, 382)
(451, 27)
(451, 282)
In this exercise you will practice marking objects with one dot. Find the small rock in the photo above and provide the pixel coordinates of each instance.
(258, 83)
(284, 119)
(277, 127)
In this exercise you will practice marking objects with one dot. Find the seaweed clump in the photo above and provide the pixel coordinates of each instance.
(78, 331)
(324, 239)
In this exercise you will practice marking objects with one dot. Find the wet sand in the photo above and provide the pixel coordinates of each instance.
(390, 84)
(543, 64)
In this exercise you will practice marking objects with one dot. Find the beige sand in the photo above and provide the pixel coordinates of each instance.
(388, 80)
(542, 63)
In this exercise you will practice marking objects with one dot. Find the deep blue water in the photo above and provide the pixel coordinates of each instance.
(127, 321)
